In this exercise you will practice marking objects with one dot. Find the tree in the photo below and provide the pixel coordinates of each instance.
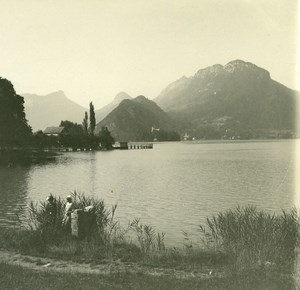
(106, 139)
(85, 124)
(92, 119)
(40, 140)
(71, 128)
(72, 135)
(14, 130)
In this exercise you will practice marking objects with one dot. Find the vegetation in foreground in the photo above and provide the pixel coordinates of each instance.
(29, 279)
(243, 243)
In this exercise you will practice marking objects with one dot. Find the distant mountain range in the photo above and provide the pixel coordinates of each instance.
(236, 97)
(51, 109)
(134, 119)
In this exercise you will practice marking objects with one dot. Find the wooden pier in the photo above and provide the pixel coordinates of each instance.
(140, 146)
(126, 146)
(118, 145)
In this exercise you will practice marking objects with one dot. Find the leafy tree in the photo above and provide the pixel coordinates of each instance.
(92, 119)
(40, 140)
(71, 128)
(106, 139)
(72, 135)
(14, 130)
(85, 124)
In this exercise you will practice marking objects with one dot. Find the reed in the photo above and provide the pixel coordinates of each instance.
(252, 237)
(148, 239)
(40, 232)
(243, 238)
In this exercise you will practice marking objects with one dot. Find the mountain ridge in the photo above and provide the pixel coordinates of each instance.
(241, 92)
(49, 110)
(133, 119)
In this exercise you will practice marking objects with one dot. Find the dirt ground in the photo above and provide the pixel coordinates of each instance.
(105, 268)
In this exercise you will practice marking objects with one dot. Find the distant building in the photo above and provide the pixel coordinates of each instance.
(186, 137)
(53, 131)
(154, 129)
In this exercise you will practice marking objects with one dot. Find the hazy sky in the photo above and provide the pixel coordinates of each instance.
(93, 49)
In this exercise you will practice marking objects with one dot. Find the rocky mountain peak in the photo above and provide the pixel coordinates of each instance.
(209, 71)
(238, 66)
(238, 95)
(235, 66)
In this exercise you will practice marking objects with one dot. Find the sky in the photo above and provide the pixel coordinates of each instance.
(93, 49)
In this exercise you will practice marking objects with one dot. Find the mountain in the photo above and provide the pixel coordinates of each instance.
(50, 110)
(238, 96)
(133, 119)
(103, 112)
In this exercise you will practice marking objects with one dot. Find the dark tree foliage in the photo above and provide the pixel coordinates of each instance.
(92, 119)
(41, 140)
(85, 124)
(72, 135)
(14, 130)
(71, 128)
(161, 135)
(105, 138)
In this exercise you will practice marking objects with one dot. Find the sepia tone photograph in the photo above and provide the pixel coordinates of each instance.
(150, 145)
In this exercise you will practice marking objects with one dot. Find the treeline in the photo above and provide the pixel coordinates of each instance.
(161, 135)
(210, 132)
(73, 136)
(77, 136)
(16, 134)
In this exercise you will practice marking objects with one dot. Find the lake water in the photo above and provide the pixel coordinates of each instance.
(174, 186)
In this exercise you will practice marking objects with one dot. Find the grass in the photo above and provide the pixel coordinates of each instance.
(15, 277)
(247, 244)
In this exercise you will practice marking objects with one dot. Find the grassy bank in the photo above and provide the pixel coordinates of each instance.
(243, 244)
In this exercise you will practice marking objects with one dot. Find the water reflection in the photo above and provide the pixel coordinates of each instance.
(13, 193)
(93, 171)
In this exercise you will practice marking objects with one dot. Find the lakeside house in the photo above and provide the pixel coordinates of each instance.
(186, 137)
(53, 131)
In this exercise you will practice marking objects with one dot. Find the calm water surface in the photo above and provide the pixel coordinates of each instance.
(174, 187)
